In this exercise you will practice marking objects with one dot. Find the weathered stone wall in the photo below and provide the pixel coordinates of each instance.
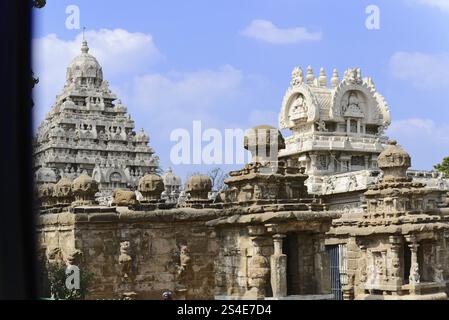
(156, 240)
(307, 260)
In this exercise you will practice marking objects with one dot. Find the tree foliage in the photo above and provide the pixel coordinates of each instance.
(56, 281)
(39, 3)
(443, 167)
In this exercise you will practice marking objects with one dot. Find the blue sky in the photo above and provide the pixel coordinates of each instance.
(228, 63)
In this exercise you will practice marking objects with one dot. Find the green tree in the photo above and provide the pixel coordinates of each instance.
(39, 3)
(443, 167)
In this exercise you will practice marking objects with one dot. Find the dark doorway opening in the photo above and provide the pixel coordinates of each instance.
(407, 263)
(291, 249)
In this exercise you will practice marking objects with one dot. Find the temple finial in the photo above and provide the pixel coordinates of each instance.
(322, 78)
(84, 47)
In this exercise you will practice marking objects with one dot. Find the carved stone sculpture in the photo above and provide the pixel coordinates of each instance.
(126, 260)
(184, 262)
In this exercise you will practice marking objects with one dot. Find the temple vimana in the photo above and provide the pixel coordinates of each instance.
(338, 214)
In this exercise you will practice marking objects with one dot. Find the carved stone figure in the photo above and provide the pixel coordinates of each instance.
(126, 260)
(438, 274)
(414, 273)
(184, 261)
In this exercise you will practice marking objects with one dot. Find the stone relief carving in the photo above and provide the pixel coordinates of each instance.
(414, 273)
(298, 108)
(126, 260)
(184, 262)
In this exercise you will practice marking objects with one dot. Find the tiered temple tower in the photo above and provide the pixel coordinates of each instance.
(337, 135)
(88, 130)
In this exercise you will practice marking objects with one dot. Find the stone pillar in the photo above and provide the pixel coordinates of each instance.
(395, 271)
(358, 126)
(278, 264)
(348, 125)
(259, 265)
(414, 277)
(366, 162)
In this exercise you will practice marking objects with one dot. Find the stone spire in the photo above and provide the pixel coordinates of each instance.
(335, 81)
(310, 76)
(322, 78)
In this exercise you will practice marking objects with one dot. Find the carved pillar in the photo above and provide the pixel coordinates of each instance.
(278, 264)
(358, 126)
(395, 263)
(259, 265)
(348, 125)
(366, 162)
(414, 277)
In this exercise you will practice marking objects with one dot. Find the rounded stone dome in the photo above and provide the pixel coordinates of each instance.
(68, 104)
(199, 183)
(251, 141)
(151, 187)
(85, 183)
(142, 137)
(45, 190)
(151, 182)
(45, 175)
(394, 161)
(63, 191)
(85, 66)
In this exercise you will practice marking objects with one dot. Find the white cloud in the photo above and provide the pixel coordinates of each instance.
(119, 52)
(443, 5)
(425, 140)
(186, 91)
(423, 70)
(266, 31)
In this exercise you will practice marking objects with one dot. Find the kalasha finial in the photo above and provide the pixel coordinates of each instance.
(310, 76)
(84, 47)
(297, 76)
(335, 81)
(322, 78)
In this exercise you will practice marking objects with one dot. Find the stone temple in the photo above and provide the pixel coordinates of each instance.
(89, 131)
(337, 214)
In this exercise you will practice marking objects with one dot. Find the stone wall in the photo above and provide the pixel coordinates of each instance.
(142, 252)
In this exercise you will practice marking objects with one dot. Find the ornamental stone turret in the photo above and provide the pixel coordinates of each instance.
(84, 189)
(151, 187)
(63, 193)
(199, 186)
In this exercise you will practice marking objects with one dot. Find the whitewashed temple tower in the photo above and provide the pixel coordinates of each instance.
(89, 130)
